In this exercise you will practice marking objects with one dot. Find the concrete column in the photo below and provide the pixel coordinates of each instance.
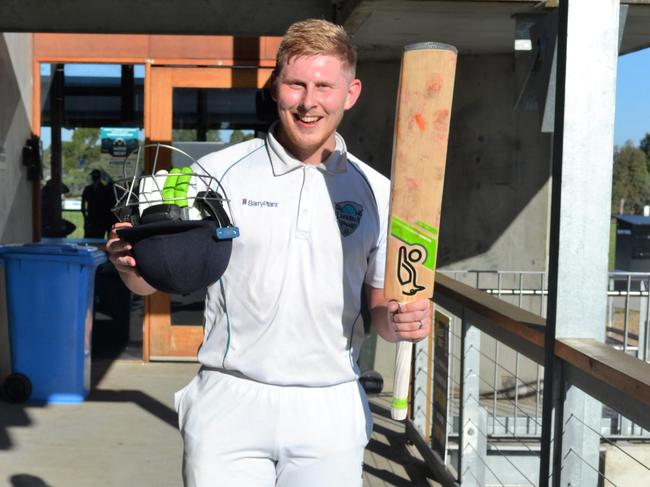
(15, 189)
(582, 176)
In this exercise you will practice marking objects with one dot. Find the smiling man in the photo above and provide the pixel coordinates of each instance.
(277, 400)
(312, 91)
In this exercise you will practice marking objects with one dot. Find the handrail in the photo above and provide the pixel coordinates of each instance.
(610, 375)
(525, 324)
(516, 327)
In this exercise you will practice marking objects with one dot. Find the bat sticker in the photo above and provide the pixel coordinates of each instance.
(420, 234)
(406, 272)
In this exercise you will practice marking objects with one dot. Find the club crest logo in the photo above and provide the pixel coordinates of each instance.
(348, 216)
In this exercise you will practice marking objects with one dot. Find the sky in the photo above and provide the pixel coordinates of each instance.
(632, 120)
(632, 97)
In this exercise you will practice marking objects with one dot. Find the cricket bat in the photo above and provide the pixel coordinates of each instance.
(422, 117)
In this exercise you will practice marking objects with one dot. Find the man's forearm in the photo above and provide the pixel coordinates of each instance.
(136, 283)
(379, 314)
(379, 317)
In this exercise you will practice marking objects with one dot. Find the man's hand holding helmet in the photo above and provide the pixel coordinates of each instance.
(119, 253)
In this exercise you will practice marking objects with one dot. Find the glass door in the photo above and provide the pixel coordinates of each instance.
(198, 110)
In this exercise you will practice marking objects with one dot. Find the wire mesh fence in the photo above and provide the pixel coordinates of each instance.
(517, 378)
(491, 418)
(617, 463)
(492, 411)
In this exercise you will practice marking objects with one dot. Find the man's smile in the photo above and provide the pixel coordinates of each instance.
(309, 120)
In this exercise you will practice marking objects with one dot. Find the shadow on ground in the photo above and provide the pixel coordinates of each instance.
(394, 451)
(27, 480)
(144, 401)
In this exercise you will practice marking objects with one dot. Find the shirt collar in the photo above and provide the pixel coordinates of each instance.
(283, 162)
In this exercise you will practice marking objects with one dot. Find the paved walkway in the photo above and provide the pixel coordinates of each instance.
(125, 435)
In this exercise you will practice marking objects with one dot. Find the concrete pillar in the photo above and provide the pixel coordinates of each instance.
(582, 175)
(15, 189)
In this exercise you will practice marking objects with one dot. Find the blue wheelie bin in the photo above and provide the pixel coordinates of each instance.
(50, 291)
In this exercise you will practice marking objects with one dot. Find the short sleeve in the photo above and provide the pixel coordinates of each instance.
(377, 259)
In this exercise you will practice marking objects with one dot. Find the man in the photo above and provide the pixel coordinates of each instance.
(96, 207)
(277, 401)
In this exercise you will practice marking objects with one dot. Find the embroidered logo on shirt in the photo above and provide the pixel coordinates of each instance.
(348, 216)
(260, 204)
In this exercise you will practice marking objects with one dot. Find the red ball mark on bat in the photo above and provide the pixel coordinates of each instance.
(420, 121)
(434, 85)
(441, 124)
(412, 183)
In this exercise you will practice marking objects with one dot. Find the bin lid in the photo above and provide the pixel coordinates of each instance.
(66, 251)
(634, 220)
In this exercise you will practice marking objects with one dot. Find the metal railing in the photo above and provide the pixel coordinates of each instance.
(513, 375)
(492, 413)
(628, 306)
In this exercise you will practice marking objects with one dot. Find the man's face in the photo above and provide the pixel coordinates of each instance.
(312, 93)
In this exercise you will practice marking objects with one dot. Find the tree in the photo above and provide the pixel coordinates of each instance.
(240, 136)
(184, 135)
(644, 145)
(79, 155)
(190, 135)
(631, 181)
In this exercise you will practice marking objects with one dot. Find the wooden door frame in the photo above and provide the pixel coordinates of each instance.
(162, 340)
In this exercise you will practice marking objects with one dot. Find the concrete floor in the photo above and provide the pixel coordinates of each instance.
(125, 434)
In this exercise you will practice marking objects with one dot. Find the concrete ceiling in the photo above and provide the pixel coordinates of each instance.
(216, 17)
(383, 27)
(380, 28)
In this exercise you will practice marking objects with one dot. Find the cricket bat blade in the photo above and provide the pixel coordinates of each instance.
(417, 175)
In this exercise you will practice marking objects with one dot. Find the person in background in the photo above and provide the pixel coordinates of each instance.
(96, 203)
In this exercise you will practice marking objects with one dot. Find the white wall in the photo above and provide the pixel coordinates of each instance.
(15, 128)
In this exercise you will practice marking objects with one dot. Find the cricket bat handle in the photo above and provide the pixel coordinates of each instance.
(399, 405)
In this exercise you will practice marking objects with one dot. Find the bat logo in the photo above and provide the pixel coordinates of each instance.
(416, 254)
(406, 271)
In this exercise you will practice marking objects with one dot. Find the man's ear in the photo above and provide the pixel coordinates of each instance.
(273, 86)
(354, 90)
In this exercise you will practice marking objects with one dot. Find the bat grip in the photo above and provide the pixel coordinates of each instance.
(399, 406)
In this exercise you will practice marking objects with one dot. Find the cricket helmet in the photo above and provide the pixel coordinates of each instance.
(182, 235)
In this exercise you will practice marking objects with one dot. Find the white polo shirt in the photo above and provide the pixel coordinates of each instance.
(287, 309)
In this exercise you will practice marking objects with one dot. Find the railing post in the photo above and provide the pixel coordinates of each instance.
(473, 427)
(579, 236)
(422, 372)
(644, 305)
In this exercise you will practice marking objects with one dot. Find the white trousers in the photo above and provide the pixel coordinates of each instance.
(241, 433)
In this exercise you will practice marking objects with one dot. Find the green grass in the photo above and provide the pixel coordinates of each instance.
(612, 244)
(77, 218)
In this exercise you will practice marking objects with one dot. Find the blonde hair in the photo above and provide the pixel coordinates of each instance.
(312, 37)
